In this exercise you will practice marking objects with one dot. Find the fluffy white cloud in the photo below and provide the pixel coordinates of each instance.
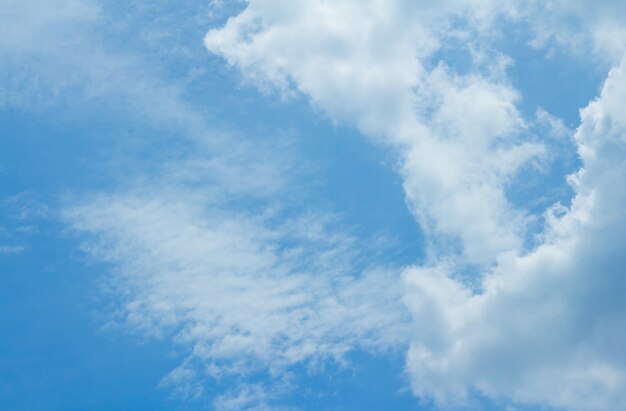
(549, 326)
(355, 63)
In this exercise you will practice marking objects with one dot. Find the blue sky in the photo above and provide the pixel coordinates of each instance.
(277, 205)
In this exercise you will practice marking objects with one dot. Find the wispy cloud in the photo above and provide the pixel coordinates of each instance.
(11, 249)
(242, 292)
(60, 53)
(215, 248)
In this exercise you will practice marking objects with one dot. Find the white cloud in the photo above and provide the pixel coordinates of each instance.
(22, 215)
(59, 53)
(249, 288)
(549, 326)
(553, 126)
(243, 293)
(255, 397)
(203, 250)
(355, 64)
(542, 326)
(595, 32)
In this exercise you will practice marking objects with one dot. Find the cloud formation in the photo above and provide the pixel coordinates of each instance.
(58, 53)
(243, 293)
(549, 326)
(536, 326)
(211, 251)
(354, 63)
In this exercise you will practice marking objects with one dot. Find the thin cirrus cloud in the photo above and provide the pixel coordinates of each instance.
(63, 52)
(544, 326)
(206, 248)
(244, 285)
(243, 292)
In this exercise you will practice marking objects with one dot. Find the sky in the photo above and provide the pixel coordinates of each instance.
(304, 205)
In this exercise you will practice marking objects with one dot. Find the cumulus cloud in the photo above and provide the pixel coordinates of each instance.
(537, 326)
(353, 62)
(549, 326)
